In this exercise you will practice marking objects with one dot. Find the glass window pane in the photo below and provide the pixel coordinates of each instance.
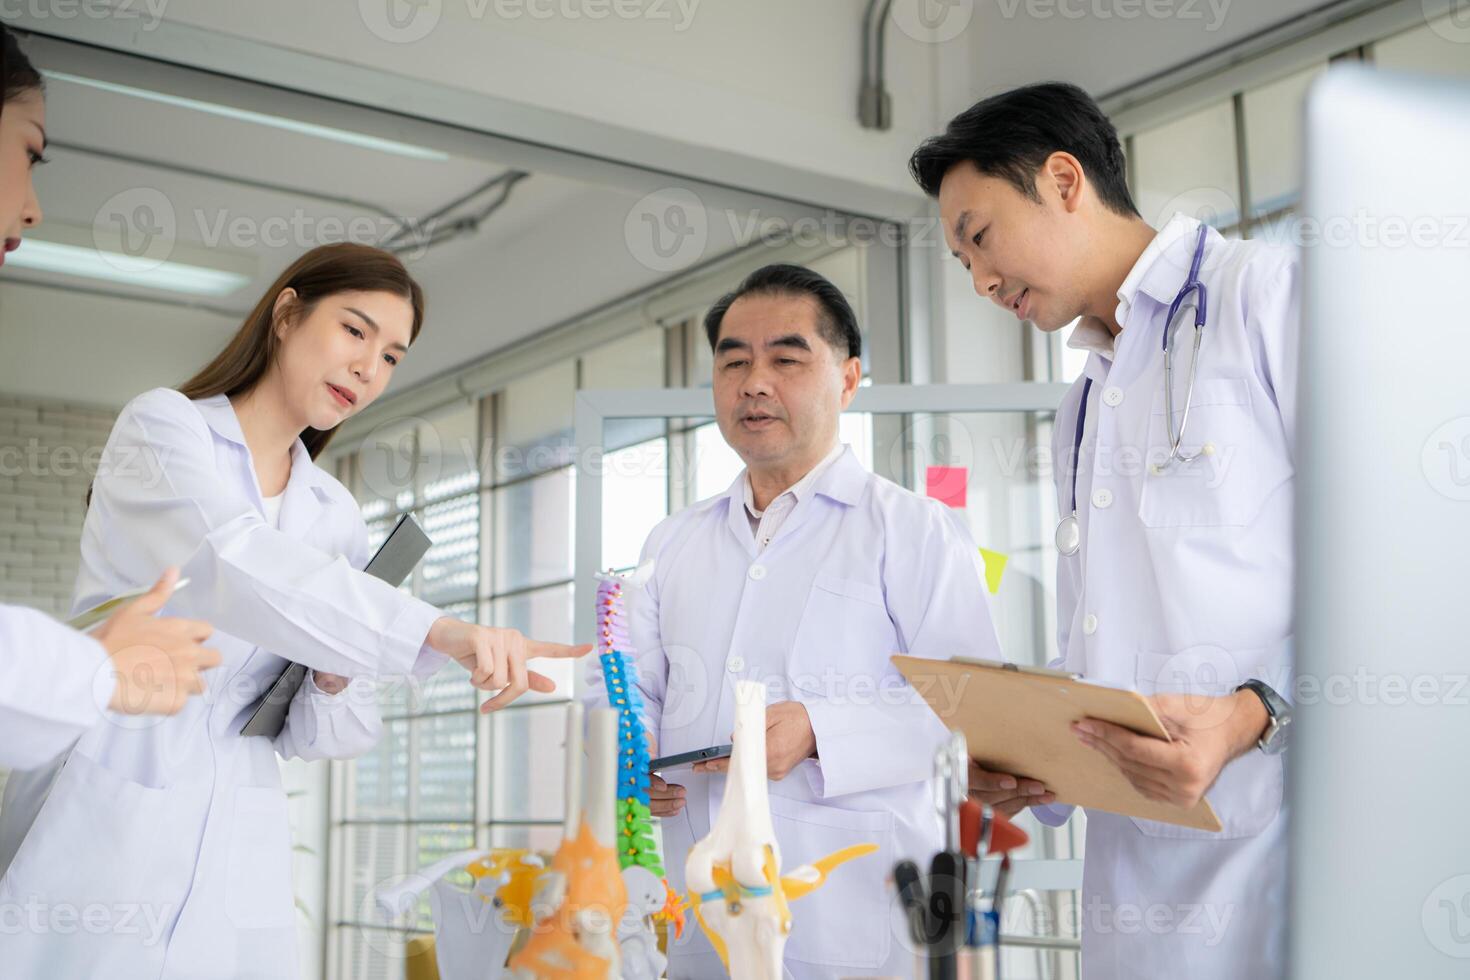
(396, 697)
(378, 529)
(1073, 361)
(430, 843)
(856, 430)
(444, 750)
(370, 953)
(545, 614)
(527, 748)
(535, 419)
(374, 853)
(634, 361)
(542, 839)
(533, 531)
(449, 689)
(1189, 165)
(387, 463)
(450, 572)
(1010, 508)
(450, 452)
(702, 372)
(379, 777)
(635, 497)
(715, 464)
(1273, 140)
(1442, 47)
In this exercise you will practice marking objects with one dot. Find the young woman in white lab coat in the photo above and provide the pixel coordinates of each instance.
(184, 822)
(55, 683)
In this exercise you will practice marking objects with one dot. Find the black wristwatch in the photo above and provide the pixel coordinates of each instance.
(1273, 740)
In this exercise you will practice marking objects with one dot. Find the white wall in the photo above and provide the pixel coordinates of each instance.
(764, 78)
(44, 475)
(1105, 45)
(152, 345)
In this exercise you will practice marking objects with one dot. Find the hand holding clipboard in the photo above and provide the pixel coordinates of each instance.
(1020, 721)
(157, 660)
(395, 560)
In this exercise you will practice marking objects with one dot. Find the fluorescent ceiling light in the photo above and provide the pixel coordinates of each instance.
(260, 118)
(92, 263)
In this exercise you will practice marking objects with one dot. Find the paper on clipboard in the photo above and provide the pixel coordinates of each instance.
(1019, 721)
(88, 618)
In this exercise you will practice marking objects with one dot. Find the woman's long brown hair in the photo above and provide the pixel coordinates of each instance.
(18, 77)
(322, 272)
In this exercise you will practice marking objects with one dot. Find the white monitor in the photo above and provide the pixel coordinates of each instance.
(1380, 758)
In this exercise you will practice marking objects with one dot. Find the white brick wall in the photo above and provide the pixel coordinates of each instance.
(48, 452)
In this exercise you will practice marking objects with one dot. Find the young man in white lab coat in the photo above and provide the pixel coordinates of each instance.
(1179, 578)
(807, 574)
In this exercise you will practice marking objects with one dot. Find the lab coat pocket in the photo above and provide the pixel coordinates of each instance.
(101, 838)
(843, 641)
(259, 882)
(1248, 794)
(1224, 487)
(845, 923)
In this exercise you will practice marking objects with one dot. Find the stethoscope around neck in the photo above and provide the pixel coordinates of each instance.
(1069, 530)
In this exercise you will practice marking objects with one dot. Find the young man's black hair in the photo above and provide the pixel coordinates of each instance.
(837, 324)
(1009, 136)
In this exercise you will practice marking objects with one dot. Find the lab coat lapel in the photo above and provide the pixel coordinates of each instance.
(302, 507)
(735, 515)
(843, 482)
(305, 494)
(220, 416)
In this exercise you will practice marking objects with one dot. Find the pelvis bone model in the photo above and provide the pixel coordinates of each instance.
(734, 874)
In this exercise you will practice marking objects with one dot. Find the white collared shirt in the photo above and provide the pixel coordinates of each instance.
(765, 523)
(1091, 334)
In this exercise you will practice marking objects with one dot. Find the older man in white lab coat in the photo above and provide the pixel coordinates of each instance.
(1176, 572)
(807, 575)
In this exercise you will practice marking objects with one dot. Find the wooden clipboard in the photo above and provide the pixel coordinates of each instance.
(1018, 720)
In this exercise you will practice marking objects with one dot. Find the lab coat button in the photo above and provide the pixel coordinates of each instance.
(1102, 499)
(1089, 624)
(1113, 397)
(735, 664)
(757, 572)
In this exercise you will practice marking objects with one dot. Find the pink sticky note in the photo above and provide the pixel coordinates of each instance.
(947, 484)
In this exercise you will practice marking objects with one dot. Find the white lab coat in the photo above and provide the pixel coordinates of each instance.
(1183, 583)
(174, 830)
(860, 569)
(55, 683)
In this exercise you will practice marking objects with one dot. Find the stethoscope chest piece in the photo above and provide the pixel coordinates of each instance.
(1069, 535)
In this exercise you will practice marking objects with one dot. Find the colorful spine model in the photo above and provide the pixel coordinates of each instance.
(636, 845)
(649, 895)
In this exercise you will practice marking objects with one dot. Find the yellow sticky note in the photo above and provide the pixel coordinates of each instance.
(995, 567)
